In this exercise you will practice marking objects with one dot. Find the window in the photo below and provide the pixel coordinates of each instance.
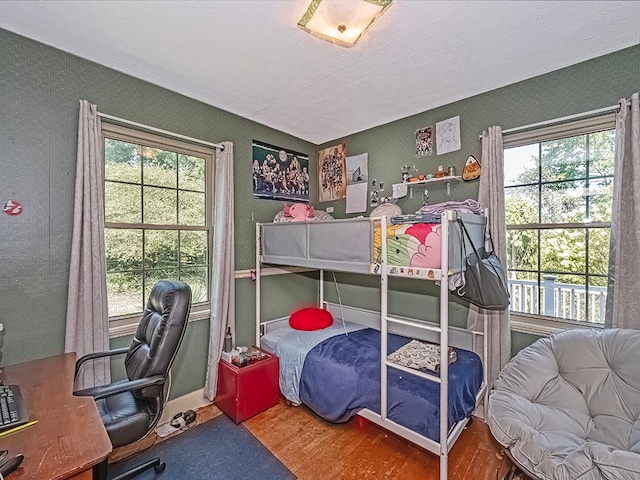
(558, 194)
(157, 218)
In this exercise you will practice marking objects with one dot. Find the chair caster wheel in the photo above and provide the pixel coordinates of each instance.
(160, 468)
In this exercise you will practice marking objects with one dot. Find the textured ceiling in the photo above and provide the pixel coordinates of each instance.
(248, 56)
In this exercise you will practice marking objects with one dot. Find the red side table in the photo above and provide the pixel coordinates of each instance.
(246, 391)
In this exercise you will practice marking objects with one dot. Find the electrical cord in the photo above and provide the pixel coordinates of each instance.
(340, 303)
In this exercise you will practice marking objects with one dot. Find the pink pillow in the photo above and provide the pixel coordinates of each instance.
(310, 318)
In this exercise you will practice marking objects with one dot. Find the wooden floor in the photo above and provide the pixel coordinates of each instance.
(315, 449)
(357, 450)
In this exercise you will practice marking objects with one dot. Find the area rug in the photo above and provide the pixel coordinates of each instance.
(217, 449)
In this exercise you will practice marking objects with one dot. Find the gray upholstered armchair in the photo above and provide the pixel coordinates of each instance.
(568, 406)
(131, 408)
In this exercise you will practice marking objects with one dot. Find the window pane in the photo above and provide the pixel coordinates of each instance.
(122, 203)
(601, 153)
(192, 208)
(563, 250)
(153, 187)
(599, 251)
(563, 202)
(160, 206)
(522, 250)
(124, 292)
(160, 248)
(123, 249)
(191, 173)
(121, 161)
(600, 200)
(193, 248)
(563, 275)
(160, 167)
(196, 278)
(521, 165)
(564, 159)
(151, 277)
(523, 290)
(521, 205)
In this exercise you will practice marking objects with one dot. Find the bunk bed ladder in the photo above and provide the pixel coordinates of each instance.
(445, 440)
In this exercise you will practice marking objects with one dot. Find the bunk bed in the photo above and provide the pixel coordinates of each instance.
(371, 385)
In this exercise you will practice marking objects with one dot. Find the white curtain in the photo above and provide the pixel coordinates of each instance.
(87, 328)
(623, 309)
(491, 196)
(223, 266)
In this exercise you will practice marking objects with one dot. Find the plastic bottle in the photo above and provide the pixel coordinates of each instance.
(228, 341)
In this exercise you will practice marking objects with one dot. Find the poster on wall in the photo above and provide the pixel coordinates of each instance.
(332, 173)
(448, 135)
(424, 142)
(279, 173)
(357, 183)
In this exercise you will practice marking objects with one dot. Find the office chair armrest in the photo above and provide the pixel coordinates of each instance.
(92, 356)
(104, 391)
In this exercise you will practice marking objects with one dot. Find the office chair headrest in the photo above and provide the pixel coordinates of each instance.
(160, 331)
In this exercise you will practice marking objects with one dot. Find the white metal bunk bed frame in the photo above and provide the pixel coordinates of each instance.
(442, 275)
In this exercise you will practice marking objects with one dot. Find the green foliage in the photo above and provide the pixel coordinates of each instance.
(565, 167)
(172, 187)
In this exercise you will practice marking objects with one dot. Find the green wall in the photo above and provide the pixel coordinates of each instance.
(593, 84)
(39, 92)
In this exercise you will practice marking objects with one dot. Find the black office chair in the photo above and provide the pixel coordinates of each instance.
(130, 409)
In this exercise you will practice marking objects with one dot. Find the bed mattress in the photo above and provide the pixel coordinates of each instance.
(341, 375)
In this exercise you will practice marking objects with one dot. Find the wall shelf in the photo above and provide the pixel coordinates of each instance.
(446, 179)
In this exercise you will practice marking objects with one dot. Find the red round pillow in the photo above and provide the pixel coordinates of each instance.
(310, 318)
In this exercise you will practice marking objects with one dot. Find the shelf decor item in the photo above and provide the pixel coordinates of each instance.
(471, 169)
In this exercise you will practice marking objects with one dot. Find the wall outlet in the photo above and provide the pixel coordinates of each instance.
(329, 209)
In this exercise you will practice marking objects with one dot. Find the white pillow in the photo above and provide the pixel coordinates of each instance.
(386, 209)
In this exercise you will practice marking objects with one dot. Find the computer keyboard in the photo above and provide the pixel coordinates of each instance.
(13, 411)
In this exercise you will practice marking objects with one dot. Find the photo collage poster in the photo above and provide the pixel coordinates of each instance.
(279, 173)
(332, 173)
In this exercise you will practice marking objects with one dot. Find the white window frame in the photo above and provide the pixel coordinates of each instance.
(123, 325)
(541, 324)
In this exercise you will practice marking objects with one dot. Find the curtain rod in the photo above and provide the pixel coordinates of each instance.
(159, 130)
(577, 116)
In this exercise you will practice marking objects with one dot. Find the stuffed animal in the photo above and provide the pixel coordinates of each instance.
(299, 212)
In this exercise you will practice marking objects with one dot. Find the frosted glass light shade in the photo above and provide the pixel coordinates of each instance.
(342, 22)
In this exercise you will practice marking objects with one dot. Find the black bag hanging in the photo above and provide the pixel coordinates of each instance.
(484, 279)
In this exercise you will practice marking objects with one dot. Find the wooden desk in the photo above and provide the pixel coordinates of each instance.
(69, 437)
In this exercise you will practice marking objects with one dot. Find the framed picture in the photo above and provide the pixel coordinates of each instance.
(279, 173)
(332, 173)
(448, 135)
(424, 141)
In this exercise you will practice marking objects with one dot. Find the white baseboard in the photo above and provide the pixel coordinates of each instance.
(190, 401)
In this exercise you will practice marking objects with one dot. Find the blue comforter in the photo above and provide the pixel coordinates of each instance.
(293, 348)
(341, 375)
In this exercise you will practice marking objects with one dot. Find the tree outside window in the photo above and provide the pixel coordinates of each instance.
(156, 217)
(558, 197)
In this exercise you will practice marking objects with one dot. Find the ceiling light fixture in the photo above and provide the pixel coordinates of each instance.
(342, 22)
